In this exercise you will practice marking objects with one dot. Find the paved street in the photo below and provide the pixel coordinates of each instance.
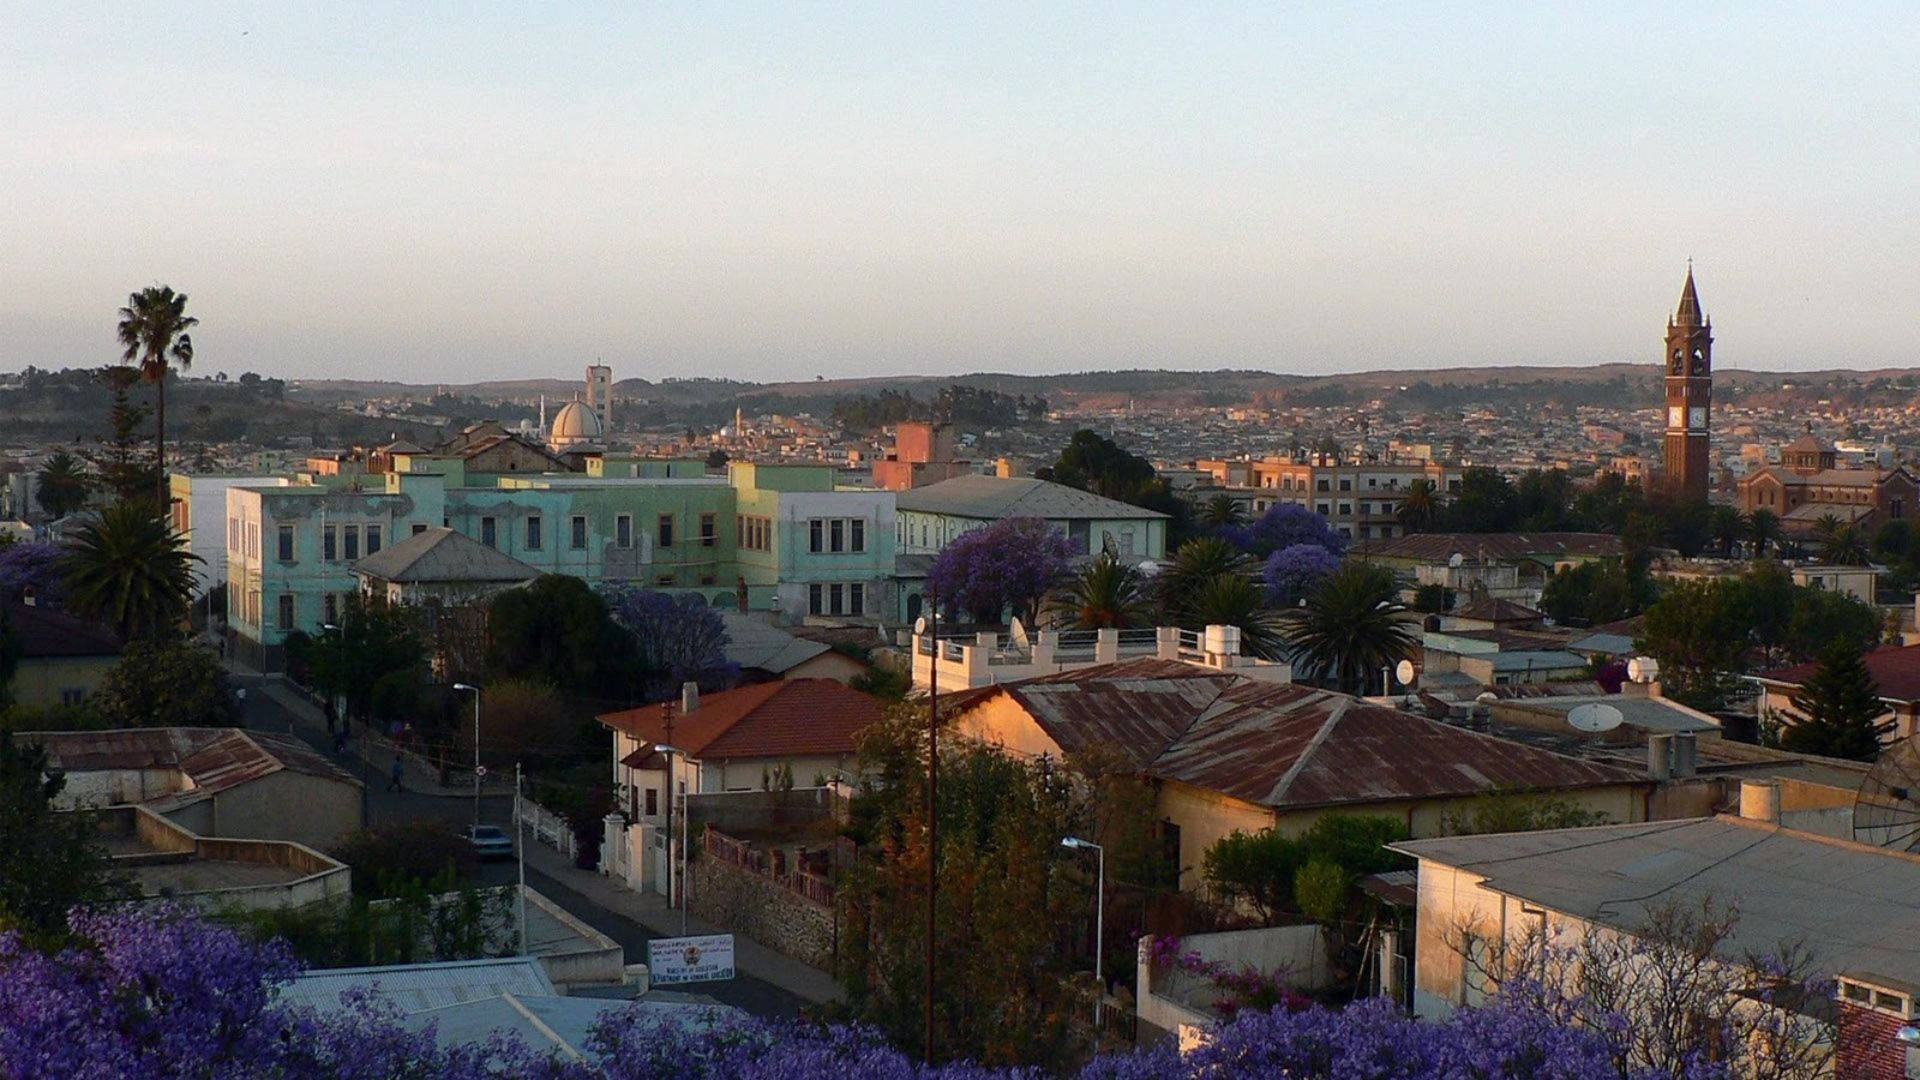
(277, 708)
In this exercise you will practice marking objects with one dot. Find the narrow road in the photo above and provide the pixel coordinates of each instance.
(262, 712)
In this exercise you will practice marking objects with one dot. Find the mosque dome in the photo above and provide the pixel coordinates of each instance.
(574, 425)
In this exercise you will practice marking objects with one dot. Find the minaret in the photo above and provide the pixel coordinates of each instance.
(1689, 361)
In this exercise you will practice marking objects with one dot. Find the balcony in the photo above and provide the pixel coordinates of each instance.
(987, 658)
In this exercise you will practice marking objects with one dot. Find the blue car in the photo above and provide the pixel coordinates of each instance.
(490, 841)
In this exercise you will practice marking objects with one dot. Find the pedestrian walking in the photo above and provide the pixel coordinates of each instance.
(394, 783)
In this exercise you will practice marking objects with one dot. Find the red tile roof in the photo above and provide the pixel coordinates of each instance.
(1280, 744)
(44, 633)
(1896, 668)
(788, 718)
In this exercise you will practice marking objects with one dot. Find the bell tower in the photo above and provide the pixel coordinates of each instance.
(1689, 361)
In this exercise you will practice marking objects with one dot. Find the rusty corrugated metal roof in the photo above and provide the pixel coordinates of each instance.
(211, 759)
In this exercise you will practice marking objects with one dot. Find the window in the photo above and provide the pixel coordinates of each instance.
(233, 534)
(856, 599)
(73, 695)
(665, 535)
(488, 534)
(857, 534)
(1080, 536)
(709, 529)
(579, 528)
(1321, 509)
(1321, 484)
(285, 620)
(653, 802)
(623, 531)
(817, 535)
(816, 599)
(419, 527)
(373, 539)
(329, 551)
(1346, 485)
(286, 543)
(333, 609)
(533, 533)
(1346, 509)
(350, 542)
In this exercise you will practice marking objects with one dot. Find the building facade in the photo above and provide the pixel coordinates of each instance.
(1360, 500)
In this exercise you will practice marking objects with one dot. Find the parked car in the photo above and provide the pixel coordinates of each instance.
(490, 841)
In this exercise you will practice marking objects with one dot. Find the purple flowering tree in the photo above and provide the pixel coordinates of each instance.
(1293, 571)
(1283, 526)
(1009, 565)
(33, 566)
(676, 638)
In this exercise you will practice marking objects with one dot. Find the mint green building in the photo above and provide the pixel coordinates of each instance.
(784, 534)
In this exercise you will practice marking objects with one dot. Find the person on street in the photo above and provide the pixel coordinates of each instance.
(394, 783)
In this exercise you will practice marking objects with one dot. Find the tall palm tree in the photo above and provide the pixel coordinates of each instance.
(62, 485)
(1351, 625)
(1764, 527)
(1238, 600)
(1197, 562)
(1420, 506)
(1845, 546)
(1728, 526)
(1221, 511)
(128, 568)
(153, 327)
(1105, 594)
(1826, 526)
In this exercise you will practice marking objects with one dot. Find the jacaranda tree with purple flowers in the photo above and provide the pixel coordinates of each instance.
(677, 639)
(1293, 571)
(1281, 527)
(1007, 566)
(32, 568)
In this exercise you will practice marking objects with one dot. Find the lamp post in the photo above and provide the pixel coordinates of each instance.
(1099, 926)
(366, 763)
(669, 751)
(933, 802)
(477, 774)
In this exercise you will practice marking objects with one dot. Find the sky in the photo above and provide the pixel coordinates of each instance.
(470, 191)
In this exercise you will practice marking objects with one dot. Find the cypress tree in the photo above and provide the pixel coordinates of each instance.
(1839, 707)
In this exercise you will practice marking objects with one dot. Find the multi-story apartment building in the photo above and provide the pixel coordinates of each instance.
(783, 535)
(1360, 500)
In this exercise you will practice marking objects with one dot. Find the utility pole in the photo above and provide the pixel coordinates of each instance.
(520, 849)
(933, 803)
(666, 719)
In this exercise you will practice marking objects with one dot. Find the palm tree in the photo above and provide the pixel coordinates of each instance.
(63, 485)
(1351, 625)
(1420, 506)
(1197, 562)
(1238, 600)
(1764, 527)
(1845, 546)
(1106, 594)
(1825, 526)
(1728, 525)
(128, 568)
(1221, 511)
(153, 327)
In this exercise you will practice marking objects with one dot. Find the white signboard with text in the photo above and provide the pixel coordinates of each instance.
(707, 958)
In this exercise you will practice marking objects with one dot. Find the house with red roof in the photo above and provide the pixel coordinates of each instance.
(1896, 669)
(738, 740)
(1228, 753)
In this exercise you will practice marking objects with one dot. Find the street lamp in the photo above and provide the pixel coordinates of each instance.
(670, 751)
(1099, 925)
(478, 772)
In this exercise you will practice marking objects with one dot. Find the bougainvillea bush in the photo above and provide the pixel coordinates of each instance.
(147, 994)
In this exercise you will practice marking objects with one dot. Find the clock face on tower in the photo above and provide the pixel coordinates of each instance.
(1697, 418)
(1677, 416)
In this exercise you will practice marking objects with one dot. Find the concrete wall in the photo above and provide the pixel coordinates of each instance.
(113, 787)
(747, 774)
(44, 681)
(597, 960)
(286, 805)
(734, 812)
(748, 903)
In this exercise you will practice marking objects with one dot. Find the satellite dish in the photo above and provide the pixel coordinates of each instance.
(1886, 811)
(1643, 669)
(1594, 719)
(1148, 568)
(1403, 672)
(920, 625)
(1018, 632)
(1487, 697)
(1456, 560)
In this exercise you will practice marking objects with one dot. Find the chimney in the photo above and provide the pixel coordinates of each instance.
(689, 696)
(1686, 754)
(1760, 801)
(1660, 757)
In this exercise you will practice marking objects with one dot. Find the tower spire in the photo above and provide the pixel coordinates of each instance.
(1688, 314)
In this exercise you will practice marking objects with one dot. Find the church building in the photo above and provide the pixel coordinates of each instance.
(1689, 360)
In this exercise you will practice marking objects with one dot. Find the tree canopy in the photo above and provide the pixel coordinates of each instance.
(1838, 709)
(1010, 565)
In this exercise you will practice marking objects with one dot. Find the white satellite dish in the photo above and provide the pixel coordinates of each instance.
(920, 625)
(1456, 560)
(1018, 632)
(1403, 672)
(1643, 669)
(1148, 568)
(1594, 719)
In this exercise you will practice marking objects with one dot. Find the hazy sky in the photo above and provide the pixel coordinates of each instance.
(476, 191)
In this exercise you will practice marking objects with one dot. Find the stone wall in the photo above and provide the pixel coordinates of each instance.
(737, 899)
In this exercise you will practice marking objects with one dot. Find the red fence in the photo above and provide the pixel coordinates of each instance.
(769, 864)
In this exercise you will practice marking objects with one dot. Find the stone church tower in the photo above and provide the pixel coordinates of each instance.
(1689, 396)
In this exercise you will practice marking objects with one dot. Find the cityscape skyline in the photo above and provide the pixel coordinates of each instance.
(769, 194)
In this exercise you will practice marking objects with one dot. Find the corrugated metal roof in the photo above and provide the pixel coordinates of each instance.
(753, 643)
(212, 759)
(441, 554)
(1895, 668)
(993, 497)
(553, 1023)
(1857, 908)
